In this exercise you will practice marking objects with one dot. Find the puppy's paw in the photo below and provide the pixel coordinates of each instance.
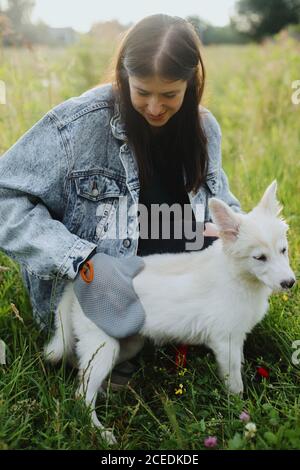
(52, 353)
(235, 386)
(108, 436)
(80, 391)
(105, 433)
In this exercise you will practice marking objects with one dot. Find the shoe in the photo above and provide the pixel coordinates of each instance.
(120, 376)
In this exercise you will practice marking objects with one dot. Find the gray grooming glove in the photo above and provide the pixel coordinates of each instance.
(106, 295)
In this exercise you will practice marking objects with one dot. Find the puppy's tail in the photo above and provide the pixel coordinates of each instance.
(62, 343)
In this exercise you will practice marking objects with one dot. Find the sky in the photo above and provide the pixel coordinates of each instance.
(81, 14)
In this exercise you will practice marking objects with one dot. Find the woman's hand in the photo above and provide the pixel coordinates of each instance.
(211, 230)
(105, 292)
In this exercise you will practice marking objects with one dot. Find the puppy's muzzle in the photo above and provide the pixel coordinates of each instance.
(288, 284)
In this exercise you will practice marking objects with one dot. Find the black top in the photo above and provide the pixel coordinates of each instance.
(165, 186)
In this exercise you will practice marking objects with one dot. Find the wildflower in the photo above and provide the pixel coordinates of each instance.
(285, 297)
(250, 430)
(263, 372)
(180, 390)
(16, 313)
(3, 269)
(182, 372)
(181, 356)
(210, 441)
(244, 416)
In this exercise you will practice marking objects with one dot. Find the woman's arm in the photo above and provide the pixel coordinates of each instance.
(33, 195)
(214, 139)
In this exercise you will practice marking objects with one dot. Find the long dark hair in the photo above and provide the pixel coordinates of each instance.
(167, 47)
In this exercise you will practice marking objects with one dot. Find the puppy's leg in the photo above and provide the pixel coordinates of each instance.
(130, 347)
(228, 355)
(62, 342)
(242, 354)
(97, 354)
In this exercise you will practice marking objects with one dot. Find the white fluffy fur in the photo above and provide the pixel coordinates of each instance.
(212, 297)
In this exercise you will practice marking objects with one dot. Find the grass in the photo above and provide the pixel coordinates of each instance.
(249, 91)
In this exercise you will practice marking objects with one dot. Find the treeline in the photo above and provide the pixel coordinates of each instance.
(252, 20)
(17, 29)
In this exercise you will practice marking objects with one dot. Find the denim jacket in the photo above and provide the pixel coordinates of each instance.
(64, 182)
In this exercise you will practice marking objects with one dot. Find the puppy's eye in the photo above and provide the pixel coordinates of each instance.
(283, 251)
(260, 258)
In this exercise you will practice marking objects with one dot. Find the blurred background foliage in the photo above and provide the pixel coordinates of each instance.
(249, 89)
(251, 20)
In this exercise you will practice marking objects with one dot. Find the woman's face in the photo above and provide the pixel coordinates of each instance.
(156, 99)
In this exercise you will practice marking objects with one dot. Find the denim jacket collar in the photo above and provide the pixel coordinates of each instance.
(117, 125)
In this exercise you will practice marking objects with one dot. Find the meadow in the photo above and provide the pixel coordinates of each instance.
(249, 90)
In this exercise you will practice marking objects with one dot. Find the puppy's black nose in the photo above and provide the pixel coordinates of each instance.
(287, 284)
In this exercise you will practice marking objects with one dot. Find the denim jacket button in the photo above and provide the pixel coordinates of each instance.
(127, 243)
(95, 192)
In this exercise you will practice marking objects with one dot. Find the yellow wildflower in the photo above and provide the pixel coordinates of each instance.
(182, 372)
(180, 390)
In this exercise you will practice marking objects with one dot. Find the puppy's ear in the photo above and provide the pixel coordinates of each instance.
(227, 221)
(269, 202)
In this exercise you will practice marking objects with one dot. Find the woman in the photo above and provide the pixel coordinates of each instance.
(67, 183)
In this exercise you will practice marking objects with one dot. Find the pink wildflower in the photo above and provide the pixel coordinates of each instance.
(244, 416)
(210, 441)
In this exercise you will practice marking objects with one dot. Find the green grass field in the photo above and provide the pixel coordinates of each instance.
(249, 91)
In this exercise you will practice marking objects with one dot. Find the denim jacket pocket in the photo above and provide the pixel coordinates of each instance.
(94, 199)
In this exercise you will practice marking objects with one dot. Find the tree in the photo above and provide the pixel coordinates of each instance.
(200, 25)
(257, 18)
(210, 34)
(16, 21)
(19, 12)
(107, 30)
(5, 28)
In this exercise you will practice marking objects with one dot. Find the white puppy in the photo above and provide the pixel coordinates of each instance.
(212, 297)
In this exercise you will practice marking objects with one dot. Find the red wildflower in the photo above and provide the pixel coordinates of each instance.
(263, 372)
(181, 356)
